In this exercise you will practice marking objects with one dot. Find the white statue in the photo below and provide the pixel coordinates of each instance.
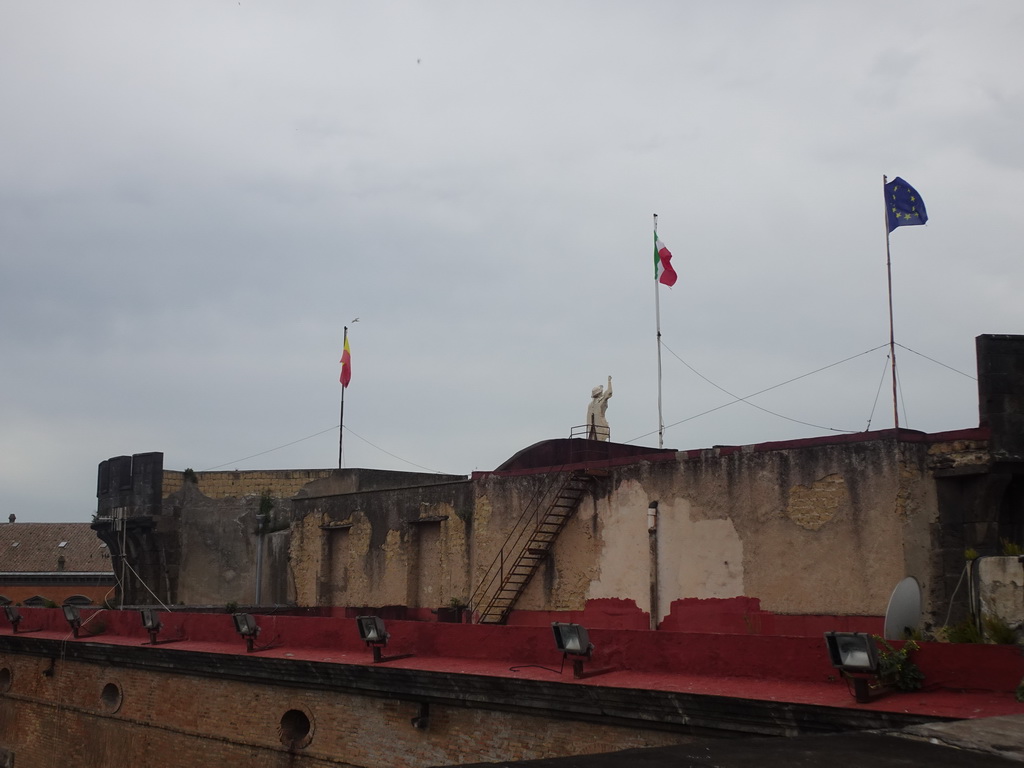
(597, 424)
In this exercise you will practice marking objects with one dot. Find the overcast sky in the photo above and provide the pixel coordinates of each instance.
(196, 198)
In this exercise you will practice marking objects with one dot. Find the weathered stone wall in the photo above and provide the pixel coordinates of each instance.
(403, 546)
(1001, 590)
(815, 527)
(820, 528)
(222, 485)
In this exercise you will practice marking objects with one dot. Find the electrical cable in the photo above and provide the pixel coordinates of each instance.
(270, 450)
(538, 666)
(410, 463)
(759, 392)
(878, 393)
(776, 386)
(930, 359)
(143, 583)
(903, 402)
(236, 462)
(955, 589)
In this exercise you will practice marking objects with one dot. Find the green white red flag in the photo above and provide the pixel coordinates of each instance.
(663, 271)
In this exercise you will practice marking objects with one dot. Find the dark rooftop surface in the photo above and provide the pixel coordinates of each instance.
(993, 743)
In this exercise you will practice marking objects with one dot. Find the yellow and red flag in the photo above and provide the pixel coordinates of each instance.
(346, 365)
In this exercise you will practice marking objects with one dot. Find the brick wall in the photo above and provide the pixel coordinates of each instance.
(90, 715)
(221, 485)
(59, 593)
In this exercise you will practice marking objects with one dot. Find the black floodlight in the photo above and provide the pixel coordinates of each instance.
(573, 640)
(246, 626)
(852, 651)
(14, 616)
(74, 618)
(151, 623)
(855, 655)
(373, 633)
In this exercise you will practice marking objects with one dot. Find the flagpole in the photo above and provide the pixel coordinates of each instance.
(892, 336)
(341, 420)
(657, 315)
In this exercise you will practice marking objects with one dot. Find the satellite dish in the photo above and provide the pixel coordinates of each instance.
(904, 611)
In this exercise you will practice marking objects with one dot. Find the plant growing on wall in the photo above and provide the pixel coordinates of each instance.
(964, 632)
(998, 630)
(1011, 548)
(895, 666)
(266, 520)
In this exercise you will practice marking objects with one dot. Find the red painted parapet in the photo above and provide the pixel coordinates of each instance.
(661, 652)
(743, 616)
(604, 613)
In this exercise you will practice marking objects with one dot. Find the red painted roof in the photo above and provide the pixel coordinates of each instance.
(961, 681)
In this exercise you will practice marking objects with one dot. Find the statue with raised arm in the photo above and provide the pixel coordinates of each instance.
(597, 424)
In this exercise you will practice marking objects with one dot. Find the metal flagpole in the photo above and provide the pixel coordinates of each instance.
(892, 336)
(341, 421)
(657, 314)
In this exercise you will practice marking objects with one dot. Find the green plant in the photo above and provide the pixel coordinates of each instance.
(231, 607)
(266, 520)
(1011, 548)
(456, 603)
(189, 476)
(964, 632)
(266, 502)
(970, 554)
(998, 631)
(895, 666)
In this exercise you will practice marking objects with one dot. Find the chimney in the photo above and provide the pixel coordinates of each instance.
(1001, 390)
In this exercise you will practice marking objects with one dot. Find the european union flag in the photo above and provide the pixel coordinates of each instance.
(903, 205)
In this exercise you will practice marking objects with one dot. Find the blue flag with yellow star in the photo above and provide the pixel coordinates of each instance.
(903, 206)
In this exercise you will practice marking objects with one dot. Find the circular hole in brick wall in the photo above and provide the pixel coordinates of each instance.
(296, 731)
(110, 697)
(5, 679)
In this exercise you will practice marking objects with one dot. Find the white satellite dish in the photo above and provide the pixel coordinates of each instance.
(904, 611)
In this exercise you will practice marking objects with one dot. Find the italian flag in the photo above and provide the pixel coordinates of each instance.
(346, 365)
(663, 271)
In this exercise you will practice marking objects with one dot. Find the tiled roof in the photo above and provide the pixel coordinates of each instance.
(37, 548)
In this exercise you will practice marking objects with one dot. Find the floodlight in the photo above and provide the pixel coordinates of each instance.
(13, 616)
(854, 654)
(852, 651)
(373, 633)
(151, 623)
(246, 626)
(573, 640)
(371, 629)
(74, 618)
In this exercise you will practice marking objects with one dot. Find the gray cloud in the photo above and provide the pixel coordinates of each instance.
(195, 198)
